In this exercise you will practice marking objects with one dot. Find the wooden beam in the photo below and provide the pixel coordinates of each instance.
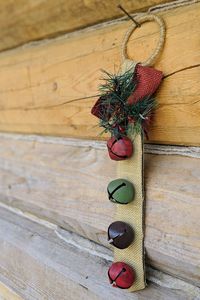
(44, 88)
(64, 181)
(45, 263)
(8, 294)
(22, 21)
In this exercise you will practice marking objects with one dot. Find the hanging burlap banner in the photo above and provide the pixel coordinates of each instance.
(132, 170)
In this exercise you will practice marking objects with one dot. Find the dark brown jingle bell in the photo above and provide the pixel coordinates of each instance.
(120, 234)
(121, 275)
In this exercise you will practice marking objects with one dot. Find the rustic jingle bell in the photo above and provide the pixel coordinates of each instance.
(120, 234)
(121, 275)
(121, 191)
(120, 148)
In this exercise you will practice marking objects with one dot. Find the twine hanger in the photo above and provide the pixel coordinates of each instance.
(137, 22)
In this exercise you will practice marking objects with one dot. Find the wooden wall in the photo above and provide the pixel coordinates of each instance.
(54, 167)
(30, 20)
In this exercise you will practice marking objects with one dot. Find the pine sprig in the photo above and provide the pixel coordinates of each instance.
(117, 114)
(118, 87)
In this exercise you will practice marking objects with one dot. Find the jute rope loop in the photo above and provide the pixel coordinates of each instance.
(142, 19)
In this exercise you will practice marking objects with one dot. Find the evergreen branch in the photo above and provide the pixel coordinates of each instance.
(116, 114)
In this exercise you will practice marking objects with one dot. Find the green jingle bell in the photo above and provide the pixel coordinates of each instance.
(121, 191)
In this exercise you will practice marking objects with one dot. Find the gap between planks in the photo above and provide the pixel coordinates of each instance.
(169, 5)
(58, 17)
(148, 148)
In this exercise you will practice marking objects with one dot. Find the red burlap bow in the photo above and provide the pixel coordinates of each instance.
(101, 110)
(148, 80)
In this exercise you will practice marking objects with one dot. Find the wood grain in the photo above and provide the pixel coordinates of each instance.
(64, 181)
(22, 21)
(44, 88)
(7, 294)
(41, 265)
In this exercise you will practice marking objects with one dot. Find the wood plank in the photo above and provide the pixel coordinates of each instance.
(40, 265)
(22, 21)
(7, 294)
(65, 181)
(44, 88)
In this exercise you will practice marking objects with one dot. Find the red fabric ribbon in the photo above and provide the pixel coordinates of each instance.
(148, 80)
(101, 110)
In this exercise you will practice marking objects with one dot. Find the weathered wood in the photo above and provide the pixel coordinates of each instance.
(44, 88)
(7, 294)
(41, 265)
(22, 21)
(65, 182)
(174, 150)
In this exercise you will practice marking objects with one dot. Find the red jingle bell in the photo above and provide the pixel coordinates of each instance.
(120, 148)
(121, 275)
